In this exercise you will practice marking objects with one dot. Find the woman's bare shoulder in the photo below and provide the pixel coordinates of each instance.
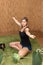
(26, 29)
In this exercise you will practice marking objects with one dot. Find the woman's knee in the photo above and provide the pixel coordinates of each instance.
(23, 52)
(20, 53)
(11, 44)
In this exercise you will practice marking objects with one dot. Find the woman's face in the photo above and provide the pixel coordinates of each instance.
(23, 23)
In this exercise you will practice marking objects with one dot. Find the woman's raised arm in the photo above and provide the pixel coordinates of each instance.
(16, 21)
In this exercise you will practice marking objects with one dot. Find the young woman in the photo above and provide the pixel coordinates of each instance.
(23, 46)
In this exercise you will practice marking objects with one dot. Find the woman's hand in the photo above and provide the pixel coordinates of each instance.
(16, 21)
(33, 36)
(13, 18)
(23, 28)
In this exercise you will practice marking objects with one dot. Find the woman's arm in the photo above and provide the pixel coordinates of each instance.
(29, 34)
(16, 21)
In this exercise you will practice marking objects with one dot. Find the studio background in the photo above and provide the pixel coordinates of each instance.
(33, 9)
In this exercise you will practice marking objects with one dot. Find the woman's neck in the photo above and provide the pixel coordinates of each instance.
(23, 28)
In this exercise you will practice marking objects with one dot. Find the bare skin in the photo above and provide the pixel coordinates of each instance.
(22, 50)
(16, 45)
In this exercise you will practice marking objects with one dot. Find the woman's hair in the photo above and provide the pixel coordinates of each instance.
(25, 18)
